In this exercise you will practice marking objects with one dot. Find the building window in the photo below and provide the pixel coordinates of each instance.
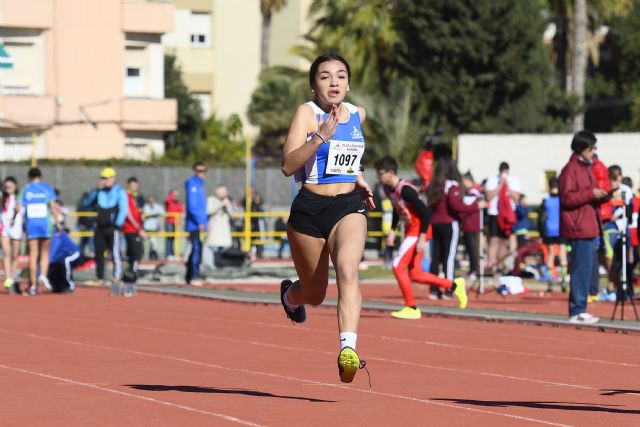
(200, 29)
(136, 59)
(15, 146)
(204, 98)
(26, 74)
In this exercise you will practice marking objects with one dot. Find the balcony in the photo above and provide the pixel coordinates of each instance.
(148, 17)
(27, 111)
(158, 115)
(26, 14)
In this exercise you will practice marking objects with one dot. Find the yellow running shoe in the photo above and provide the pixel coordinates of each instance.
(8, 283)
(461, 292)
(407, 313)
(348, 364)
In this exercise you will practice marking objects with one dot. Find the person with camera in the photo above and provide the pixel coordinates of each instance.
(580, 222)
(219, 210)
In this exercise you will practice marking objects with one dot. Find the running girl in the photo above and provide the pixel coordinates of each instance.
(416, 216)
(11, 230)
(323, 149)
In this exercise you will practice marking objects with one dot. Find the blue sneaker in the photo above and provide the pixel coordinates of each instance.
(299, 315)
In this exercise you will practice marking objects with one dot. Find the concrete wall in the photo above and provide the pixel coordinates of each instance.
(529, 156)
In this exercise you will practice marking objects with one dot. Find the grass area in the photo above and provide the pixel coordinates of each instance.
(376, 272)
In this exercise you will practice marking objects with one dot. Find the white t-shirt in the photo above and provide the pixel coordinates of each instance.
(619, 211)
(15, 232)
(492, 184)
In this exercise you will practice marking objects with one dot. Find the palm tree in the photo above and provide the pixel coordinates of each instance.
(267, 7)
(362, 31)
(578, 19)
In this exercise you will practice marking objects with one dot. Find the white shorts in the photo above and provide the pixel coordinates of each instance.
(15, 232)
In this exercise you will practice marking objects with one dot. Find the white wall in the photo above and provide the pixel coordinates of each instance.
(529, 156)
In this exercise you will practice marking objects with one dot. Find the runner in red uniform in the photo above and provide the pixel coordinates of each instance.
(415, 215)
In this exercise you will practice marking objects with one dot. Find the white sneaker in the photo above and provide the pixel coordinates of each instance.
(584, 318)
(44, 281)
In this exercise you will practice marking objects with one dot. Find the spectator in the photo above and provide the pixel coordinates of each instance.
(132, 228)
(196, 220)
(173, 208)
(219, 211)
(86, 224)
(471, 224)
(281, 226)
(499, 237)
(579, 222)
(257, 222)
(445, 200)
(550, 230)
(152, 213)
(521, 227)
(111, 201)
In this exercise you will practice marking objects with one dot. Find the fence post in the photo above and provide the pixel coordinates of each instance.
(176, 236)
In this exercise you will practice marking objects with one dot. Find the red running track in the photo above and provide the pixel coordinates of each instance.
(161, 360)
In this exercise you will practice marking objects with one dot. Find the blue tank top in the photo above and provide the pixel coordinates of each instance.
(552, 221)
(339, 159)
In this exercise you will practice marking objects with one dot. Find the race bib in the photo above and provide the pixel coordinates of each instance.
(37, 210)
(344, 157)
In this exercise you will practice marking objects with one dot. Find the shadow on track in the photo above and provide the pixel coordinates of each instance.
(213, 390)
(562, 406)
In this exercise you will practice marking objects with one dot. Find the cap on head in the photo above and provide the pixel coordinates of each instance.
(108, 173)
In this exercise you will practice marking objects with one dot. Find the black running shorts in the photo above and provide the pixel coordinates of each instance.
(315, 215)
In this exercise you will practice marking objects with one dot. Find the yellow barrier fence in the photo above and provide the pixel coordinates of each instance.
(178, 233)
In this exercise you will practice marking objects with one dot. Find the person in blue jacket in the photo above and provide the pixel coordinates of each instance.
(64, 255)
(196, 220)
(110, 200)
(549, 220)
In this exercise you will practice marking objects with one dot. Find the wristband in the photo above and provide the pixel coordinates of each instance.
(324, 141)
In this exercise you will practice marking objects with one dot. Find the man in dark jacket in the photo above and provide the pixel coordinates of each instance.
(580, 221)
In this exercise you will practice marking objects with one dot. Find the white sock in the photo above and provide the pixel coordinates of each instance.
(287, 303)
(348, 339)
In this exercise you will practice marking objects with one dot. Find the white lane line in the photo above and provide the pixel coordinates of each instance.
(382, 337)
(131, 395)
(501, 351)
(251, 372)
(407, 325)
(314, 351)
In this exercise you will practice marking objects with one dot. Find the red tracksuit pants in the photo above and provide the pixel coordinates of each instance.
(407, 267)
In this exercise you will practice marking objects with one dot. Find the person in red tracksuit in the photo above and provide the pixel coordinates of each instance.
(415, 215)
(132, 228)
(445, 199)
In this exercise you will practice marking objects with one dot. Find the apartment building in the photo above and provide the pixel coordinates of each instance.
(217, 44)
(83, 78)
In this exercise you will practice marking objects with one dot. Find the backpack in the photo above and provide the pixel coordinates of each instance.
(506, 212)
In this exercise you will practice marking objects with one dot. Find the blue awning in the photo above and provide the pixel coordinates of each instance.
(5, 59)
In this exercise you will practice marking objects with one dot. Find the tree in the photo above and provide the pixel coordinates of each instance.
(221, 141)
(480, 65)
(363, 31)
(577, 21)
(618, 77)
(267, 7)
(280, 90)
(184, 139)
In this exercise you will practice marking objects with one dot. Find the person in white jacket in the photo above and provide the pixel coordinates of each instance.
(219, 211)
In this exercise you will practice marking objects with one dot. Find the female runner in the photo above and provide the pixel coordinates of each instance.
(323, 149)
